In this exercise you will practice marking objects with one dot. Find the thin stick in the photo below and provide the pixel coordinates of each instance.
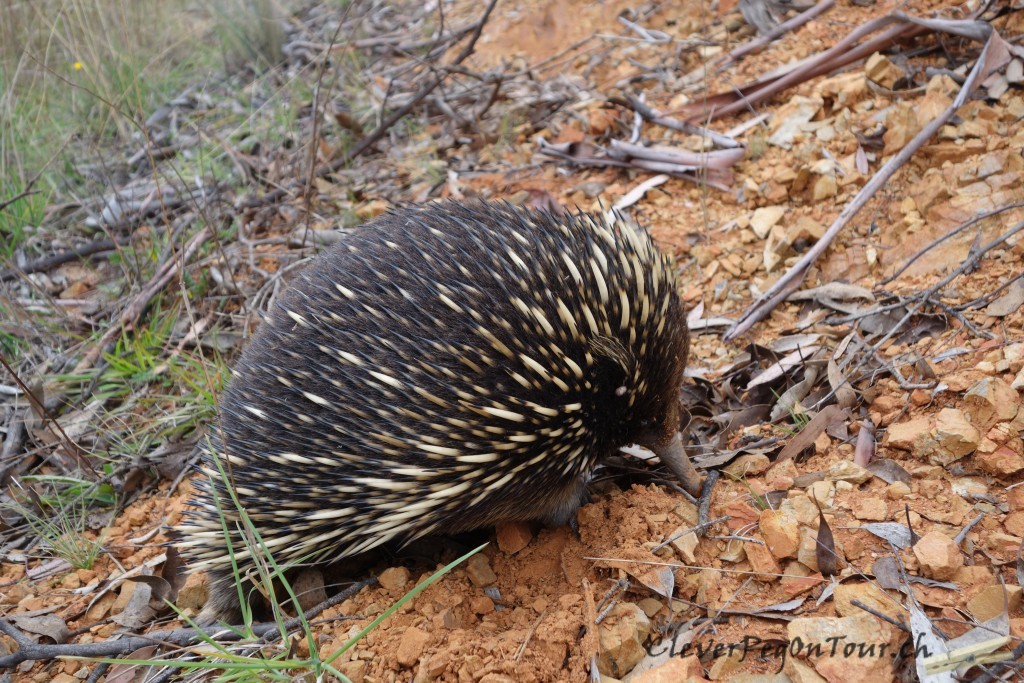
(134, 310)
(47, 262)
(657, 118)
(777, 293)
(385, 125)
(785, 27)
(952, 233)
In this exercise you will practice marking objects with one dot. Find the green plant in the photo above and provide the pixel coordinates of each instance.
(78, 76)
(250, 33)
(760, 502)
(797, 415)
(265, 662)
(58, 515)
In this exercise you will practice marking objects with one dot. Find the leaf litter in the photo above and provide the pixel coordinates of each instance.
(864, 404)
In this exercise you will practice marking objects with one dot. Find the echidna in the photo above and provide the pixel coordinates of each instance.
(442, 369)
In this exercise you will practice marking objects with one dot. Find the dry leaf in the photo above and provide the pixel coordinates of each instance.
(865, 449)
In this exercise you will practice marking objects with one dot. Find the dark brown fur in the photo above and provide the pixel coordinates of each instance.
(441, 369)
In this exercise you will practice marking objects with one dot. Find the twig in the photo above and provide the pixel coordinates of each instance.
(131, 313)
(657, 118)
(529, 635)
(949, 310)
(47, 262)
(778, 292)
(379, 132)
(840, 54)
(319, 608)
(28, 650)
(28, 192)
(699, 530)
(785, 27)
(884, 617)
(986, 299)
(610, 599)
(968, 264)
(51, 422)
(16, 437)
(959, 538)
(314, 145)
(952, 233)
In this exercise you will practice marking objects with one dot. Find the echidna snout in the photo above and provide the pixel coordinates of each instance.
(441, 369)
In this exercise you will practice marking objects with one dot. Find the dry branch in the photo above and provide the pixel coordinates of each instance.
(131, 313)
(379, 132)
(993, 54)
(783, 28)
(48, 262)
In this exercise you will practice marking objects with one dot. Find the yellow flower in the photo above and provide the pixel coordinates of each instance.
(78, 66)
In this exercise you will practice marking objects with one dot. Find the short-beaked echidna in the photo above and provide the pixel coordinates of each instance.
(441, 369)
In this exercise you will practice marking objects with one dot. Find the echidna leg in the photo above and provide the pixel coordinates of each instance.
(221, 599)
(567, 502)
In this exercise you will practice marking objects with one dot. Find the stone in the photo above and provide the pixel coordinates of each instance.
(410, 649)
(780, 532)
(807, 553)
(685, 544)
(765, 218)
(910, 435)
(993, 601)
(955, 436)
(740, 513)
(481, 605)
(843, 648)
(394, 579)
(800, 672)
(513, 536)
(882, 71)
(621, 636)
(749, 465)
(478, 568)
(675, 669)
(761, 561)
(1014, 523)
(869, 594)
(938, 556)
(897, 490)
(354, 671)
(989, 401)
(650, 606)
(437, 663)
(17, 592)
(869, 509)
(1001, 462)
(793, 583)
(1002, 546)
(725, 667)
(846, 470)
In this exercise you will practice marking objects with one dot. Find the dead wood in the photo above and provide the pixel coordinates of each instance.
(381, 130)
(993, 53)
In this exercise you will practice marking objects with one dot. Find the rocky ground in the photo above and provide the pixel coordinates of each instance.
(867, 429)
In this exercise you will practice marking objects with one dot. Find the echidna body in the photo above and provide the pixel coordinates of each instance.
(442, 369)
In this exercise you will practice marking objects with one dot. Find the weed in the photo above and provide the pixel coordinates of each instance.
(275, 662)
(797, 415)
(59, 514)
(760, 502)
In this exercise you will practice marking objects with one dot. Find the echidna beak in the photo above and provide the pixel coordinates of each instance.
(675, 458)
